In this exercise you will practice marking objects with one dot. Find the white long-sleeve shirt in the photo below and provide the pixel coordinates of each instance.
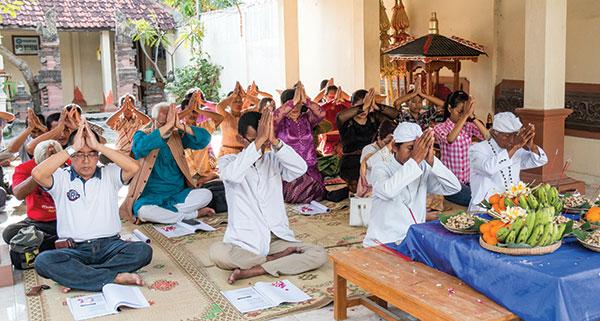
(254, 194)
(492, 171)
(399, 190)
(379, 155)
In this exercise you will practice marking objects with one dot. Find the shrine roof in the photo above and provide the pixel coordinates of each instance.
(78, 15)
(431, 46)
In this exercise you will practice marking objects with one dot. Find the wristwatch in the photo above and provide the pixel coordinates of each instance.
(278, 146)
(70, 150)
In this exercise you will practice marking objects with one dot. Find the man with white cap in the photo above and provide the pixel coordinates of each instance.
(400, 187)
(497, 163)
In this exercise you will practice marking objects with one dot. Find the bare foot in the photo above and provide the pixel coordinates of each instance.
(129, 279)
(206, 211)
(239, 274)
(286, 252)
(64, 289)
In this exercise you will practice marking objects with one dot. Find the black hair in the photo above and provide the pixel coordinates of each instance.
(358, 95)
(287, 94)
(323, 84)
(331, 87)
(39, 116)
(72, 137)
(52, 118)
(453, 100)
(251, 119)
(385, 128)
(71, 106)
(230, 93)
(263, 102)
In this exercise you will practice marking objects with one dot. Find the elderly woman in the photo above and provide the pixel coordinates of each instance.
(357, 126)
(294, 127)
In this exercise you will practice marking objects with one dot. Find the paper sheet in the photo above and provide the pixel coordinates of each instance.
(312, 208)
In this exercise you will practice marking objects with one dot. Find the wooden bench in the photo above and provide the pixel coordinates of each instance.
(413, 287)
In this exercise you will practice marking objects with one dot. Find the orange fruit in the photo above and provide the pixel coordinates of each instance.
(492, 240)
(501, 205)
(494, 199)
(496, 208)
(485, 228)
(516, 201)
(497, 223)
(593, 214)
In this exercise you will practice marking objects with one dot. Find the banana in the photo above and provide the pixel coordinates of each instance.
(535, 235)
(502, 234)
(542, 199)
(561, 230)
(532, 201)
(540, 217)
(512, 236)
(558, 206)
(523, 235)
(546, 235)
(516, 225)
(523, 202)
(547, 188)
(509, 203)
(529, 220)
(555, 231)
(550, 209)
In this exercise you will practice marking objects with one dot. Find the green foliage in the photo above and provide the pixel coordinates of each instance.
(188, 7)
(11, 7)
(146, 33)
(202, 73)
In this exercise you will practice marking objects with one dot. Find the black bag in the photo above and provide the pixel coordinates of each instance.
(25, 246)
(337, 195)
(218, 202)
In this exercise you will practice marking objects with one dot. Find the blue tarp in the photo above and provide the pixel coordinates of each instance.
(564, 285)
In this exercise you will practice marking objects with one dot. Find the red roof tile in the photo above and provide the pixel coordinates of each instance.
(87, 14)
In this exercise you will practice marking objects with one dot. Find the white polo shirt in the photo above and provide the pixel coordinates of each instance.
(87, 209)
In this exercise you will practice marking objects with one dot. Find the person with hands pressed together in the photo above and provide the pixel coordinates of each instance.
(357, 126)
(400, 187)
(415, 113)
(67, 123)
(294, 127)
(126, 121)
(235, 100)
(164, 191)
(497, 163)
(85, 196)
(34, 128)
(258, 239)
(455, 137)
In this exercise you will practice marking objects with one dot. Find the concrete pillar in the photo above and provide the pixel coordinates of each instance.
(21, 102)
(105, 57)
(127, 77)
(544, 90)
(3, 96)
(49, 77)
(288, 39)
(366, 44)
(75, 52)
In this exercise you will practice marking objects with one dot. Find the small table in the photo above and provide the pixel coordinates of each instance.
(410, 286)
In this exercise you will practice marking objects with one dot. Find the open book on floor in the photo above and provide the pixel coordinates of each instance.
(311, 208)
(184, 227)
(108, 302)
(264, 295)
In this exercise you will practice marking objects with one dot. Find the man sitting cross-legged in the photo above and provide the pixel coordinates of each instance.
(258, 239)
(86, 202)
(163, 191)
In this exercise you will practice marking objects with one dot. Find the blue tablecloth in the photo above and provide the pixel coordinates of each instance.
(564, 285)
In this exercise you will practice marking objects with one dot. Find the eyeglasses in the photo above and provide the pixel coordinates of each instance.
(84, 156)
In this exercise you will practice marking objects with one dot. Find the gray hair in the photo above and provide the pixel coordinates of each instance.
(39, 153)
(157, 107)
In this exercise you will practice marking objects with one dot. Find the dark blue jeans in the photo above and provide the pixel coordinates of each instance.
(93, 263)
(463, 197)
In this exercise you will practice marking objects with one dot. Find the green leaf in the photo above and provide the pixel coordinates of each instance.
(479, 222)
(568, 229)
(580, 234)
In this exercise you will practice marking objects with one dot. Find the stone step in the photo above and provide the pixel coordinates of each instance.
(6, 273)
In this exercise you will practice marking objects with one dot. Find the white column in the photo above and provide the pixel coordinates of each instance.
(3, 96)
(366, 44)
(545, 53)
(288, 38)
(105, 54)
(76, 59)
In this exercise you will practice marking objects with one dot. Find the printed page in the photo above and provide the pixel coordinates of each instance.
(176, 230)
(311, 209)
(281, 291)
(122, 295)
(247, 299)
(89, 306)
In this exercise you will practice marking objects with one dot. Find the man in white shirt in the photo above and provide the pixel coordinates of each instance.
(258, 239)
(497, 163)
(400, 187)
(85, 197)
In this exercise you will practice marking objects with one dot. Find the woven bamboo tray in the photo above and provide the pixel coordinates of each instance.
(593, 226)
(589, 246)
(494, 214)
(519, 250)
(459, 231)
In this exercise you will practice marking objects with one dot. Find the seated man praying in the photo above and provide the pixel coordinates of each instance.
(86, 202)
(400, 187)
(163, 190)
(258, 238)
(497, 163)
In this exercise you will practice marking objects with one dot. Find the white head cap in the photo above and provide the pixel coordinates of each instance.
(507, 122)
(407, 132)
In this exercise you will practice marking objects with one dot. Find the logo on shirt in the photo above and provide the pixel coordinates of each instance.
(72, 195)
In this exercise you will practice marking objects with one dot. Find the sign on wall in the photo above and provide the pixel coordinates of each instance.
(26, 45)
